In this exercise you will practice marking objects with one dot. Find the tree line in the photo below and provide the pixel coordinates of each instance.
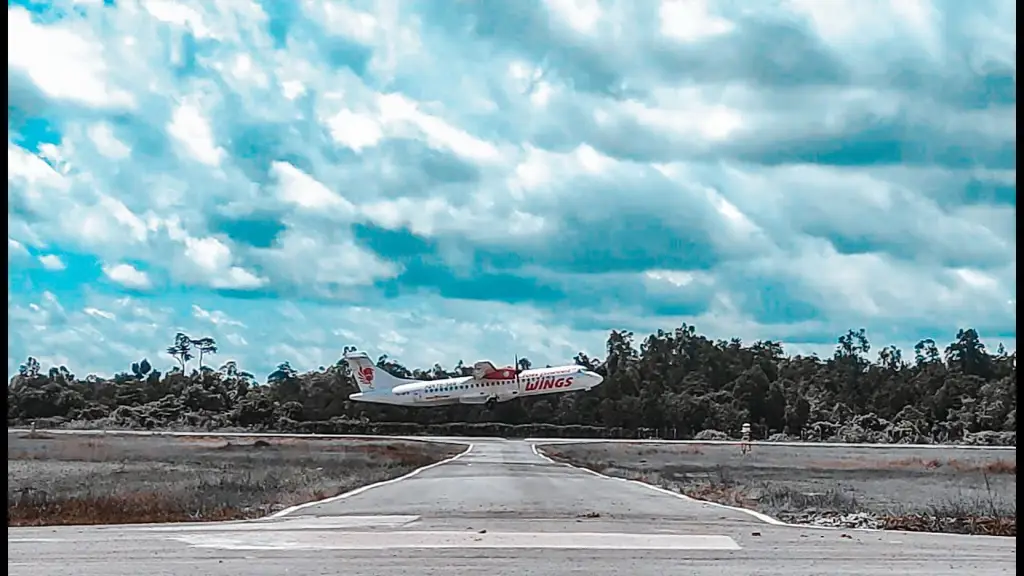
(673, 384)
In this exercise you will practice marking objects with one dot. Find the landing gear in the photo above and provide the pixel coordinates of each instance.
(491, 403)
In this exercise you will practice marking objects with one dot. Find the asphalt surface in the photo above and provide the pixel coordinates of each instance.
(500, 509)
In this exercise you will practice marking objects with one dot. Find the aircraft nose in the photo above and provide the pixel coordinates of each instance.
(595, 378)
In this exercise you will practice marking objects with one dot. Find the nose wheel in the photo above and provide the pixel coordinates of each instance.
(491, 403)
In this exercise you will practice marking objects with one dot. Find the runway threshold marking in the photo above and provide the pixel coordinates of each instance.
(289, 523)
(332, 540)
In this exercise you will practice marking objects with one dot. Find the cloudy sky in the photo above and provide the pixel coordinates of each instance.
(446, 179)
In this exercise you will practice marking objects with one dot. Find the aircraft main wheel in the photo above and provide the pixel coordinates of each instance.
(491, 402)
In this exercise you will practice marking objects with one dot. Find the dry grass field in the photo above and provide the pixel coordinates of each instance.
(941, 490)
(64, 479)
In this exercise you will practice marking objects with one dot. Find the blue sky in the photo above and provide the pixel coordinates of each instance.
(442, 180)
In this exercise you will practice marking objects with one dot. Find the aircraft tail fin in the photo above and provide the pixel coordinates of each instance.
(368, 377)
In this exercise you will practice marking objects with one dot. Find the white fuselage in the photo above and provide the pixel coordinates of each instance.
(470, 390)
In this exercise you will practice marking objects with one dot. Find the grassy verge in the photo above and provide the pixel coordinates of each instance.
(912, 494)
(123, 480)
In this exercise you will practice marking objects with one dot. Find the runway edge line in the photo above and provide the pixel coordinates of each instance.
(361, 489)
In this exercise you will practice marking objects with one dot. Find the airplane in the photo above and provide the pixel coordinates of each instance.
(487, 386)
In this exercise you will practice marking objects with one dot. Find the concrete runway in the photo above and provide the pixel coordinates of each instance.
(500, 509)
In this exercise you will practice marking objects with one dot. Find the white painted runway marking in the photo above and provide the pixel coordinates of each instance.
(319, 540)
(284, 524)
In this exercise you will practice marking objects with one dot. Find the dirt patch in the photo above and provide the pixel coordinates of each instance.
(962, 491)
(124, 479)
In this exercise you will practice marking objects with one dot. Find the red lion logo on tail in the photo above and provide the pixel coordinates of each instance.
(367, 375)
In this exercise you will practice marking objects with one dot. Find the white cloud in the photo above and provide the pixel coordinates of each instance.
(210, 262)
(108, 144)
(179, 14)
(580, 15)
(398, 111)
(307, 260)
(15, 249)
(690, 20)
(194, 133)
(97, 313)
(52, 262)
(297, 187)
(215, 317)
(127, 276)
(62, 63)
(357, 131)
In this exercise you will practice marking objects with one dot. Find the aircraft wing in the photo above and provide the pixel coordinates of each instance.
(482, 369)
